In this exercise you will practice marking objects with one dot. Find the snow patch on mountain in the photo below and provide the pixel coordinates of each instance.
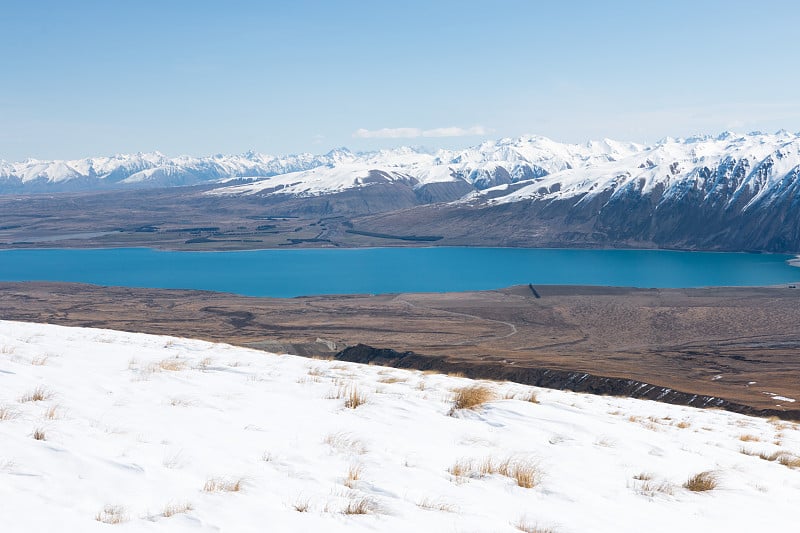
(727, 169)
(483, 166)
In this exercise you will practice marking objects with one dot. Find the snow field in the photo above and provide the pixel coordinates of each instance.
(102, 429)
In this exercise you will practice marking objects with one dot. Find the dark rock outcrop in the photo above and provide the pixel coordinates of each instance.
(552, 379)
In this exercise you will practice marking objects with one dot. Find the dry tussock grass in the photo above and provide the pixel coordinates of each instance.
(353, 475)
(605, 442)
(525, 473)
(354, 398)
(651, 488)
(527, 527)
(38, 394)
(781, 456)
(53, 412)
(112, 514)
(790, 460)
(180, 402)
(217, 484)
(392, 379)
(524, 396)
(361, 506)
(176, 508)
(40, 360)
(471, 397)
(345, 442)
(302, 505)
(7, 413)
(702, 482)
(749, 438)
(461, 468)
(745, 451)
(530, 397)
(203, 364)
(38, 434)
(429, 504)
(316, 371)
(172, 364)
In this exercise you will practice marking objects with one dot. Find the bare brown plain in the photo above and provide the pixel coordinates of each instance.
(714, 341)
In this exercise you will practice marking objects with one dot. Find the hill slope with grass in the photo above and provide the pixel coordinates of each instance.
(102, 429)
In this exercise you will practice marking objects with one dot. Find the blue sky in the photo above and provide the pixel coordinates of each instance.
(204, 77)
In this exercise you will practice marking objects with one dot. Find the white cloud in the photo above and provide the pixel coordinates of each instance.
(409, 133)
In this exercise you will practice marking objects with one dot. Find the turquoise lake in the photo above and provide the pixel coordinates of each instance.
(287, 273)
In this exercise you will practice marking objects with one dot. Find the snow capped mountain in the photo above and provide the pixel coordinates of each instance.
(737, 170)
(151, 433)
(151, 170)
(486, 165)
(729, 191)
(729, 171)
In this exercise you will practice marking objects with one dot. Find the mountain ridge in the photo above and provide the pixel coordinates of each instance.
(728, 192)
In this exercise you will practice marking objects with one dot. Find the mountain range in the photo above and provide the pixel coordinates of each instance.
(729, 191)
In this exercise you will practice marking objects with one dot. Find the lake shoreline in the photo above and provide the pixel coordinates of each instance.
(302, 272)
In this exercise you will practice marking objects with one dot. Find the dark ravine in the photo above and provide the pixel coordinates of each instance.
(553, 379)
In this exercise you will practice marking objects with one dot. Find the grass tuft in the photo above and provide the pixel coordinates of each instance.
(353, 475)
(112, 514)
(781, 456)
(172, 364)
(301, 505)
(203, 364)
(38, 394)
(651, 488)
(38, 434)
(471, 397)
(787, 459)
(361, 506)
(527, 527)
(749, 438)
(176, 508)
(345, 443)
(525, 473)
(436, 505)
(216, 484)
(354, 398)
(7, 413)
(702, 482)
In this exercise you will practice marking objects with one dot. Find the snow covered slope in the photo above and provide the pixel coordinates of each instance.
(727, 171)
(160, 434)
(488, 164)
(151, 170)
